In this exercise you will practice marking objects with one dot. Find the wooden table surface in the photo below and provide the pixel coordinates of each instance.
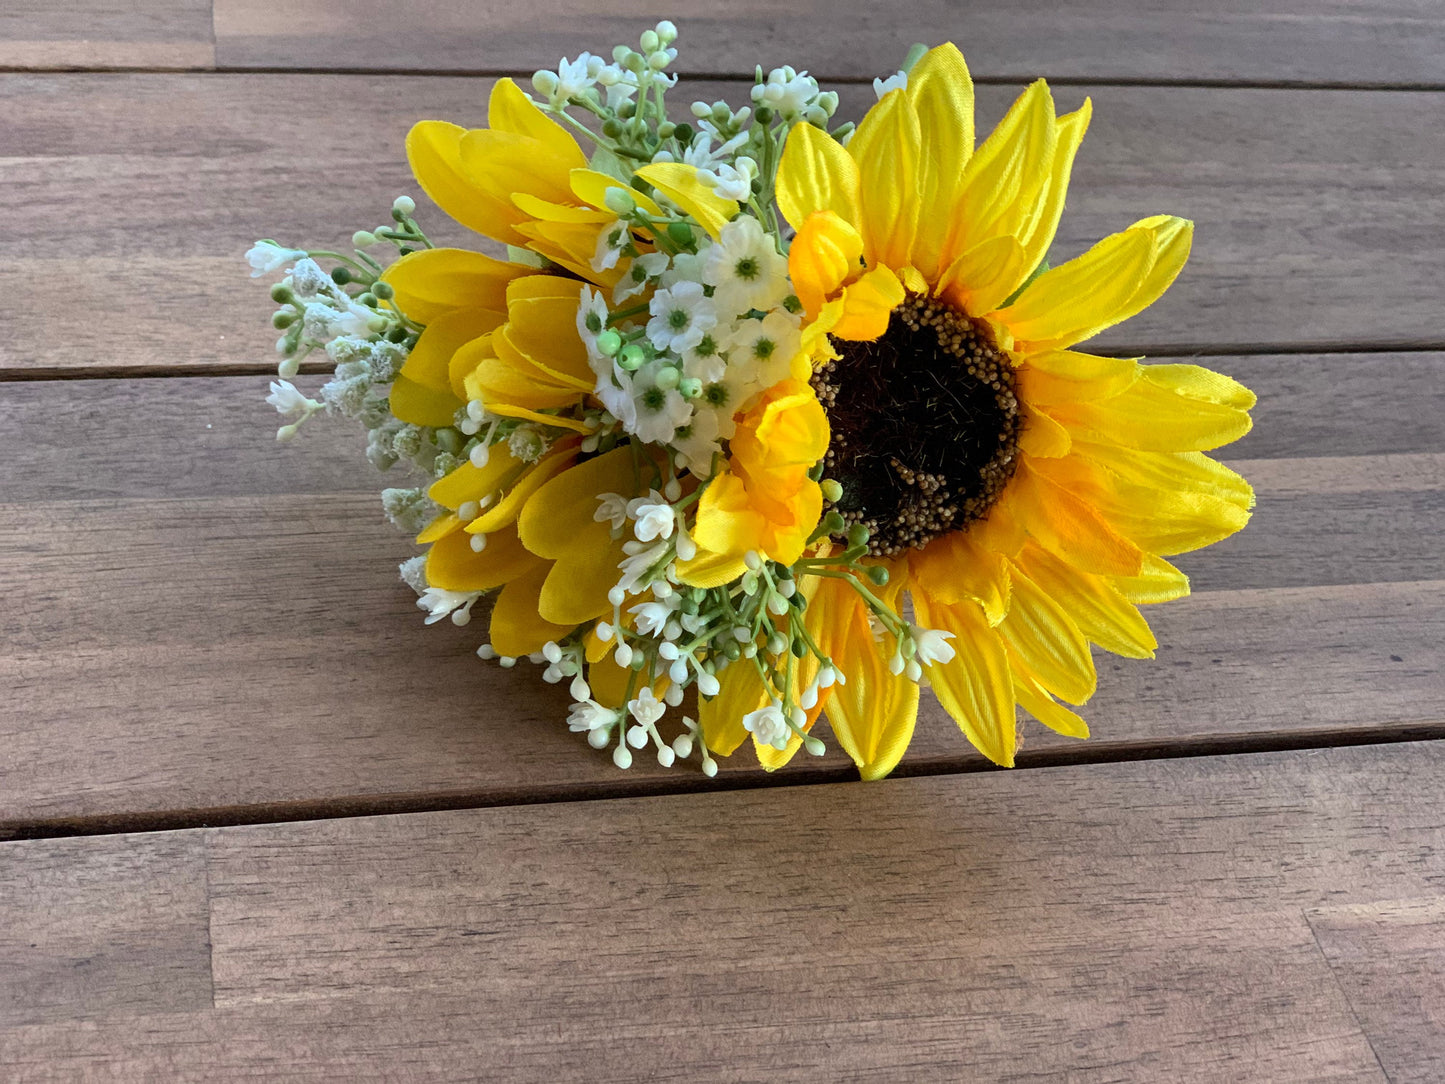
(259, 824)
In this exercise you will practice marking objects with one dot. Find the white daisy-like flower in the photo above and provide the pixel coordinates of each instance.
(618, 393)
(897, 81)
(745, 269)
(267, 256)
(643, 270)
(575, 76)
(652, 516)
(610, 243)
(592, 316)
(787, 91)
(680, 317)
(706, 359)
(733, 182)
(659, 411)
(697, 442)
(685, 267)
(766, 348)
(769, 725)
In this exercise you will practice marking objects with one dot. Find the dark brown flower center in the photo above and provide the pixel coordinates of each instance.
(925, 425)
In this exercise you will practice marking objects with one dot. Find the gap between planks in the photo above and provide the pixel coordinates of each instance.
(17, 375)
(1207, 745)
(1111, 80)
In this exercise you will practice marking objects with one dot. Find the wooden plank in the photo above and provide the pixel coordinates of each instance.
(1389, 959)
(1394, 41)
(1150, 925)
(106, 34)
(121, 929)
(141, 191)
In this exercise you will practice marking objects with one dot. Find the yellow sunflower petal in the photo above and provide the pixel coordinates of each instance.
(507, 509)
(453, 565)
(590, 186)
(433, 281)
(974, 687)
(873, 715)
(552, 519)
(940, 91)
(680, 183)
(518, 628)
(510, 110)
(429, 363)
(1152, 416)
(1102, 614)
(954, 568)
(1193, 471)
(817, 174)
(868, 304)
(886, 147)
(1035, 700)
(440, 527)
(982, 278)
(741, 691)
(1068, 526)
(1117, 278)
(825, 254)
(1057, 377)
(1158, 581)
(1042, 437)
(1044, 639)
(1049, 206)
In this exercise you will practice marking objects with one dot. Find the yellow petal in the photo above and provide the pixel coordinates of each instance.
(506, 510)
(536, 207)
(576, 589)
(740, 691)
(817, 174)
(570, 245)
(591, 187)
(429, 363)
(440, 527)
(1193, 471)
(510, 110)
(983, 277)
(1158, 581)
(825, 254)
(517, 627)
(868, 304)
(552, 520)
(471, 483)
(940, 91)
(508, 163)
(680, 183)
(1057, 377)
(1049, 204)
(1100, 612)
(974, 687)
(433, 281)
(886, 148)
(1042, 638)
(1042, 437)
(954, 568)
(1068, 526)
(421, 405)
(1003, 177)
(434, 149)
(1117, 278)
(1035, 700)
(453, 565)
(873, 715)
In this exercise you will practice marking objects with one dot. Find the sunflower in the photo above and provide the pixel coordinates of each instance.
(1022, 494)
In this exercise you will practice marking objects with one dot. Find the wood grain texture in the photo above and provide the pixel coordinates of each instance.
(1139, 921)
(106, 34)
(1390, 41)
(142, 191)
(1389, 960)
(118, 930)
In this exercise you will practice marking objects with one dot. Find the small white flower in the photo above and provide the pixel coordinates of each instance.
(705, 359)
(575, 76)
(610, 243)
(932, 645)
(652, 617)
(587, 715)
(288, 400)
(645, 269)
(898, 81)
(637, 568)
(789, 92)
(439, 603)
(646, 709)
(765, 348)
(685, 267)
(660, 411)
(413, 573)
(618, 393)
(734, 182)
(592, 316)
(267, 256)
(307, 279)
(324, 321)
(745, 269)
(680, 317)
(769, 726)
(696, 444)
(611, 507)
(654, 520)
(527, 443)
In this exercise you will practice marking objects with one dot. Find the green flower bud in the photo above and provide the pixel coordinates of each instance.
(383, 291)
(833, 523)
(620, 202)
(283, 319)
(544, 83)
(680, 233)
(857, 536)
(405, 205)
(684, 134)
(633, 357)
(368, 299)
(878, 574)
(608, 343)
(666, 129)
(764, 114)
(281, 294)
(832, 491)
(341, 275)
(668, 377)
(690, 387)
(611, 129)
(363, 239)
(649, 41)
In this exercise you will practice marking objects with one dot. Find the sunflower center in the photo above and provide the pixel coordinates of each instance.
(925, 425)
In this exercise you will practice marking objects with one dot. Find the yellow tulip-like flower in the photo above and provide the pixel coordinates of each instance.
(1023, 494)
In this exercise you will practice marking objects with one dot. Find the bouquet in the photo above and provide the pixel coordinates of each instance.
(784, 411)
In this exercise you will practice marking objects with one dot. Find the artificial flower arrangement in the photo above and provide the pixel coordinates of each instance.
(782, 411)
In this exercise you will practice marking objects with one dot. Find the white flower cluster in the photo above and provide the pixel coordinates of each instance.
(578, 81)
(715, 332)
